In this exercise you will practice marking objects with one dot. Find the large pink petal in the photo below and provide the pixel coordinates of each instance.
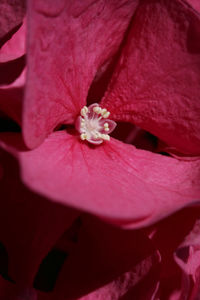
(156, 83)
(68, 41)
(116, 180)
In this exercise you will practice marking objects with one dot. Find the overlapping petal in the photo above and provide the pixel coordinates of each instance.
(195, 4)
(173, 237)
(15, 46)
(106, 264)
(188, 258)
(11, 15)
(29, 225)
(13, 74)
(67, 43)
(116, 181)
(156, 82)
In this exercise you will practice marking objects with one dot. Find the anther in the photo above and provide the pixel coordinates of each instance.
(83, 136)
(97, 109)
(91, 124)
(84, 111)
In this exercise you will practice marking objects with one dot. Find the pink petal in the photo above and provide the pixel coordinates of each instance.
(30, 225)
(195, 4)
(156, 83)
(11, 98)
(73, 43)
(188, 258)
(116, 181)
(15, 47)
(11, 15)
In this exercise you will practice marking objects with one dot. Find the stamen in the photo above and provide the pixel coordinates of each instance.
(84, 111)
(93, 124)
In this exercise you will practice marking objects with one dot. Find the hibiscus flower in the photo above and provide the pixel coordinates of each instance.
(139, 60)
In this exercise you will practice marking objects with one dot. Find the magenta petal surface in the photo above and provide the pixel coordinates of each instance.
(115, 181)
(156, 83)
(72, 44)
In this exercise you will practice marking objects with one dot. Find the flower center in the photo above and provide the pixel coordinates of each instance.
(93, 124)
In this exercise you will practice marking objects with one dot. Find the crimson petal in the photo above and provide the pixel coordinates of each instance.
(156, 83)
(116, 181)
(72, 44)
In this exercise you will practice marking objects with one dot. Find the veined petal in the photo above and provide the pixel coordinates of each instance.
(156, 83)
(116, 181)
(72, 44)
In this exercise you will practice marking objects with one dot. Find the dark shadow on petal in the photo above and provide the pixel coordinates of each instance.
(9, 71)
(4, 263)
(9, 35)
(101, 81)
(193, 42)
(8, 125)
(49, 269)
(131, 134)
(183, 253)
(104, 74)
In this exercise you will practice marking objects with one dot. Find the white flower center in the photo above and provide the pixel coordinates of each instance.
(93, 124)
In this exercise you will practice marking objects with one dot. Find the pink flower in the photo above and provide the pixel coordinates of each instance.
(140, 61)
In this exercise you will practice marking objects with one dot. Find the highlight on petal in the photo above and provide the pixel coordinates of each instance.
(116, 181)
(156, 82)
(73, 44)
